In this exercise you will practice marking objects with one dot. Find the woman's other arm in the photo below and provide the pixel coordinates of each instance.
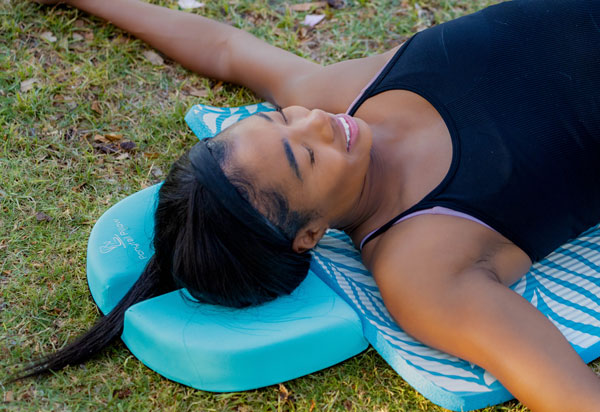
(226, 53)
(467, 312)
(204, 46)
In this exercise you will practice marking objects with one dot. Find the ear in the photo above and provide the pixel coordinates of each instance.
(309, 236)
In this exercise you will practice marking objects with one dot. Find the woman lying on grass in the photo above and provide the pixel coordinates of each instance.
(473, 152)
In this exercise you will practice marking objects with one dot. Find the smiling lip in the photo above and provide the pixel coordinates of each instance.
(352, 128)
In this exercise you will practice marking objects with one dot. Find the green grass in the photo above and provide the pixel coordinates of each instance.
(55, 182)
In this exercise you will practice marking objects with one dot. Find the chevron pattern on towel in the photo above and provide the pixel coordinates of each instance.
(565, 286)
(208, 121)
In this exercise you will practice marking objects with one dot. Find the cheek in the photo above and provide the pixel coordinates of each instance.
(341, 183)
(334, 181)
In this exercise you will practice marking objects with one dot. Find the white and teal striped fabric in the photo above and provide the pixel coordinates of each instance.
(565, 287)
(208, 121)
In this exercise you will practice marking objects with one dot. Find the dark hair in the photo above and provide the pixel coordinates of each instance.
(210, 239)
(215, 243)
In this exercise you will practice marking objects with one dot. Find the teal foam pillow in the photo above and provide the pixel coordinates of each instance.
(211, 347)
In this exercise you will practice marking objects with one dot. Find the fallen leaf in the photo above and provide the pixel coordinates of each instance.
(303, 33)
(88, 36)
(151, 155)
(312, 405)
(100, 139)
(79, 24)
(217, 87)
(279, 32)
(28, 84)
(123, 393)
(311, 20)
(123, 156)
(308, 6)
(127, 145)
(79, 187)
(192, 91)
(8, 396)
(156, 171)
(121, 40)
(41, 216)
(105, 148)
(284, 394)
(190, 4)
(113, 137)
(199, 93)
(153, 58)
(77, 37)
(48, 36)
(96, 107)
(348, 405)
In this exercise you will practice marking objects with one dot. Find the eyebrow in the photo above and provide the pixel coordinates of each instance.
(289, 154)
(264, 116)
(290, 157)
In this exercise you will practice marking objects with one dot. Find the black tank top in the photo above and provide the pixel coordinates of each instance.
(518, 86)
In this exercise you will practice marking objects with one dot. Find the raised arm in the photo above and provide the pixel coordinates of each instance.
(226, 53)
(203, 45)
(467, 312)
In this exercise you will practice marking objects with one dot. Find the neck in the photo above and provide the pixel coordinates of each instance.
(375, 197)
(394, 156)
(410, 155)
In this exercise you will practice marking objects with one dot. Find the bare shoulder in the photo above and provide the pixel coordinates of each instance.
(420, 262)
(417, 262)
(429, 243)
(442, 246)
(333, 88)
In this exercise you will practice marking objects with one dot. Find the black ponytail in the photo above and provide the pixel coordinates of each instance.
(106, 329)
(210, 238)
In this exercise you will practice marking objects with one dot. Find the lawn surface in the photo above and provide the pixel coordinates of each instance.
(89, 116)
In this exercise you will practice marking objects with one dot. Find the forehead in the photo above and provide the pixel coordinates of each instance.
(257, 149)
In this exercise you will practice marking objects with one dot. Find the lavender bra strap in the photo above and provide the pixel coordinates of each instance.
(437, 210)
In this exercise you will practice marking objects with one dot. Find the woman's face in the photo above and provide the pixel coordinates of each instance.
(317, 160)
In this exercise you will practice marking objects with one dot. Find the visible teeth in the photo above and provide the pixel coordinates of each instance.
(346, 130)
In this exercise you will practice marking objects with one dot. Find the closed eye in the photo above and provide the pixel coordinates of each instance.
(280, 111)
(312, 155)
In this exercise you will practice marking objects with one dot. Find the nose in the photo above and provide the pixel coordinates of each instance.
(316, 126)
